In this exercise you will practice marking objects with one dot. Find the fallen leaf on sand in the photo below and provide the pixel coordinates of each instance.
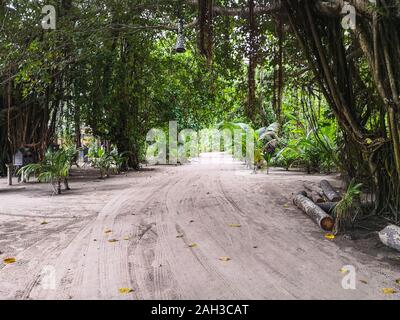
(179, 236)
(225, 259)
(126, 238)
(330, 236)
(235, 225)
(107, 231)
(344, 270)
(193, 245)
(113, 240)
(363, 281)
(9, 260)
(191, 221)
(125, 290)
(397, 281)
(44, 222)
(389, 291)
(286, 205)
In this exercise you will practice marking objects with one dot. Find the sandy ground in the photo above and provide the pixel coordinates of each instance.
(169, 226)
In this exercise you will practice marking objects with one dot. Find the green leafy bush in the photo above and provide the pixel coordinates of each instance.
(54, 168)
(101, 160)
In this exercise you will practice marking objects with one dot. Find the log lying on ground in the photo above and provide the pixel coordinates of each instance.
(324, 220)
(329, 192)
(328, 207)
(315, 193)
(316, 197)
(390, 236)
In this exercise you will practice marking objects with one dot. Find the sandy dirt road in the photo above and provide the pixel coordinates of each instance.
(162, 233)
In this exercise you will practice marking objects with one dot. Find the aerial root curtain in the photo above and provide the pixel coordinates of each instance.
(206, 29)
(344, 80)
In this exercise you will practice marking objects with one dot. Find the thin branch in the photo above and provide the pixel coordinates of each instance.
(168, 27)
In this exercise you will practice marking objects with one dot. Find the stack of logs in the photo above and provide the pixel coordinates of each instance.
(319, 203)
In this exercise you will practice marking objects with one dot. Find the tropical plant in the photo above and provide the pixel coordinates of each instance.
(313, 151)
(54, 169)
(347, 209)
(119, 159)
(101, 160)
(268, 160)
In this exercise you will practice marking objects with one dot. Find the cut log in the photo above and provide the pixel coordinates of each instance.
(390, 236)
(328, 207)
(329, 192)
(315, 193)
(324, 220)
(316, 197)
(303, 193)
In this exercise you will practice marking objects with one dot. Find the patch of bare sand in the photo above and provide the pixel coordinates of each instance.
(166, 234)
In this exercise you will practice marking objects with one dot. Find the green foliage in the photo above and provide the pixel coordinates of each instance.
(54, 168)
(119, 159)
(348, 208)
(100, 159)
(314, 151)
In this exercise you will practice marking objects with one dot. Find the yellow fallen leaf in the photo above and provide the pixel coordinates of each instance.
(344, 270)
(225, 259)
(107, 231)
(125, 290)
(126, 238)
(389, 291)
(193, 245)
(235, 225)
(330, 236)
(44, 222)
(113, 240)
(9, 260)
(286, 205)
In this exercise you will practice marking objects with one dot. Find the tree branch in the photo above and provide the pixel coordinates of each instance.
(272, 7)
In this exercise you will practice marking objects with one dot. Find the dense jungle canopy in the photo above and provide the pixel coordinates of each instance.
(110, 66)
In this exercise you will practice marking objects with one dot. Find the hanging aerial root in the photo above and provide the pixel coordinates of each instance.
(206, 30)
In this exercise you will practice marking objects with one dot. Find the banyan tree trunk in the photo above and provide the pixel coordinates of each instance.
(319, 216)
(390, 236)
(329, 192)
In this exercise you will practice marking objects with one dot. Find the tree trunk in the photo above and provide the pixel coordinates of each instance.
(77, 124)
(280, 74)
(66, 185)
(319, 216)
(329, 192)
(59, 186)
(390, 236)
